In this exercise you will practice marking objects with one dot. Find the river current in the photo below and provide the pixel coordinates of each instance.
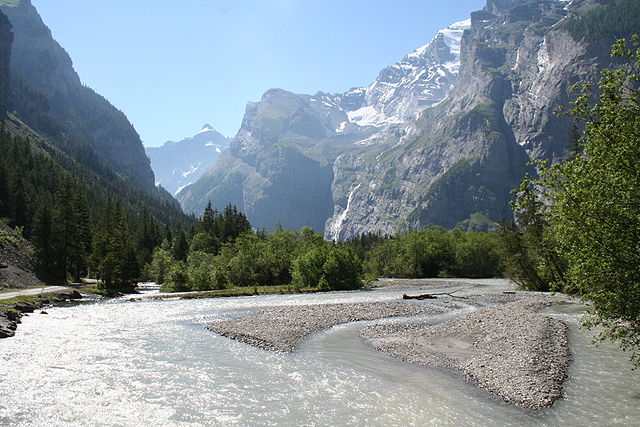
(152, 363)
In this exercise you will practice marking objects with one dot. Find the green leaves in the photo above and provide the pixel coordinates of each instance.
(596, 213)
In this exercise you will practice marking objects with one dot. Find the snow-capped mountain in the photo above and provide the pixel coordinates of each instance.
(403, 90)
(279, 165)
(178, 164)
(441, 136)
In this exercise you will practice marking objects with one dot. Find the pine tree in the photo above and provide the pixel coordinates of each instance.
(43, 239)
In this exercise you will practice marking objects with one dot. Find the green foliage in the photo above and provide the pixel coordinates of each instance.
(619, 19)
(596, 214)
(178, 277)
(94, 289)
(158, 269)
(476, 255)
(529, 247)
(62, 207)
(328, 267)
(203, 272)
(434, 252)
(215, 229)
(256, 260)
(113, 256)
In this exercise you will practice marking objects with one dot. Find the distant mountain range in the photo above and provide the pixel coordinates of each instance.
(178, 164)
(440, 137)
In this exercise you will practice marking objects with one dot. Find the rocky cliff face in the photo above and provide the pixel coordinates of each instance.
(279, 168)
(440, 138)
(17, 261)
(464, 156)
(178, 164)
(45, 82)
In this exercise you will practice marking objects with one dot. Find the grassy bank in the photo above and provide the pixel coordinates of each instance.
(93, 289)
(236, 292)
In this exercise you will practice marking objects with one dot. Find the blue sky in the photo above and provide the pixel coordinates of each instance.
(172, 66)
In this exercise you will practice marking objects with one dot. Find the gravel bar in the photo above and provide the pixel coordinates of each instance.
(280, 329)
(510, 350)
(504, 346)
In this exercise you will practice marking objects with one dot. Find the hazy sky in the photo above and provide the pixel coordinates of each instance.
(172, 66)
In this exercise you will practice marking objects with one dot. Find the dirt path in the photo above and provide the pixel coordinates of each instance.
(34, 291)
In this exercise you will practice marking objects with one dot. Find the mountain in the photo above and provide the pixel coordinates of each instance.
(178, 164)
(279, 167)
(74, 180)
(420, 80)
(440, 138)
(461, 158)
(49, 96)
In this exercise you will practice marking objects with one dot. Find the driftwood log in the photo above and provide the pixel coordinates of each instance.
(432, 296)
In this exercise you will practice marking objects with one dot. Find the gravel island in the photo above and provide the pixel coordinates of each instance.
(281, 329)
(498, 342)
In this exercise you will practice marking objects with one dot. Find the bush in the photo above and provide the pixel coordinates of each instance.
(328, 267)
(178, 278)
(203, 272)
(158, 268)
(476, 255)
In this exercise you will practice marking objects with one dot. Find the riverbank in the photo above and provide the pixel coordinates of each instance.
(14, 307)
(504, 346)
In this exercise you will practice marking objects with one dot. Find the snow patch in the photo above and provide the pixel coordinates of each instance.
(453, 35)
(181, 188)
(369, 116)
(341, 127)
(205, 128)
(189, 172)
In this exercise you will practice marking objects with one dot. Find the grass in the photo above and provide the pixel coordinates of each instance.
(22, 298)
(93, 289)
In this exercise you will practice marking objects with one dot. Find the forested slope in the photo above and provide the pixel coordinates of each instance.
(82, 211)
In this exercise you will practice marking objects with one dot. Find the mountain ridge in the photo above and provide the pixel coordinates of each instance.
(393, 158)
(48, 94)
(314, 130)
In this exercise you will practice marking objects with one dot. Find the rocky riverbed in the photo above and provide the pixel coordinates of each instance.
(280, 329)
(510, 350)
(504, 346)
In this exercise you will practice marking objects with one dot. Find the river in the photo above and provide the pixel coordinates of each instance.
(151, 363)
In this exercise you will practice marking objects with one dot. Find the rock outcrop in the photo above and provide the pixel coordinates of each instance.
(10, 314)
(17, 261)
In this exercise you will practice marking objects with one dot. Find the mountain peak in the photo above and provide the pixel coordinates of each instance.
(206, 128)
